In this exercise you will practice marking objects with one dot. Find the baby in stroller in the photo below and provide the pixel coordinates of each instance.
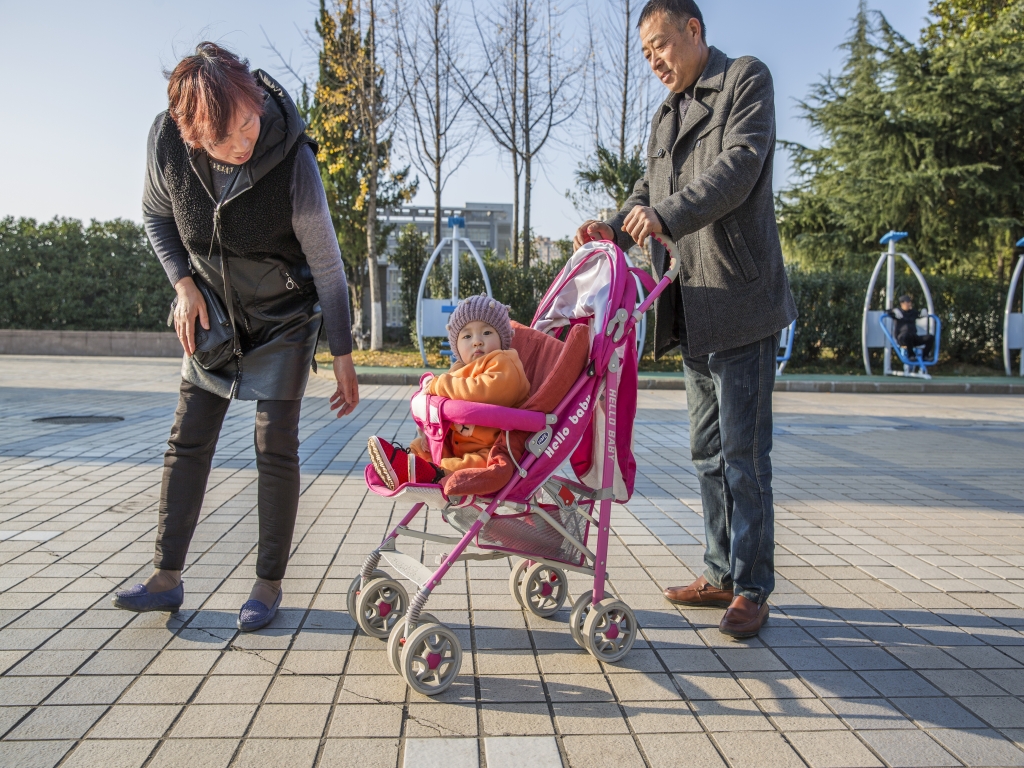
(486, 370)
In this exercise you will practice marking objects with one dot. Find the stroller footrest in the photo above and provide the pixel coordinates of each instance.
(412, 569)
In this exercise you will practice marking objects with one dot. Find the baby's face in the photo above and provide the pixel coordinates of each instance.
(476, 339)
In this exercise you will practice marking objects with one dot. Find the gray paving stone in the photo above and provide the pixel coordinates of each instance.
(870, 714)
(832, 749)
(517, 751)
(110, 754)
(441, 753)
(756, 750)
(194, 753)
(600, 751)
(259, 753)
(90, 690)
(360, 753)
(515, 719)
(982, 747)
(56, 723)
(33, 754)
(908, 749)
(938, 713)
(663, 750)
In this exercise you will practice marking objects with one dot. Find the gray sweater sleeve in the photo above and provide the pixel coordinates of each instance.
(311, 220)
(157, 214)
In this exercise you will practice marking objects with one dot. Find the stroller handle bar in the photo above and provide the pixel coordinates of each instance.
(620, 328)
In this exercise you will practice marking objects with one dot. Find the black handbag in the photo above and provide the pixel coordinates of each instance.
(216, 347)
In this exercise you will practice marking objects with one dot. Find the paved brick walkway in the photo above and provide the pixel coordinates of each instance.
(896, 636)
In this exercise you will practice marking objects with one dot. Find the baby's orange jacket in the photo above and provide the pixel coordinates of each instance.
(497, 378)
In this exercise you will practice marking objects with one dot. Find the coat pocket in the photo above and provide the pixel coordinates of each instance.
(740, 252)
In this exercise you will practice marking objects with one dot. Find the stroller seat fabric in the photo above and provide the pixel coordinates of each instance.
(552, 367)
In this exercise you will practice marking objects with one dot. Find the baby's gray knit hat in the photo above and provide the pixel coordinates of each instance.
(485, 309)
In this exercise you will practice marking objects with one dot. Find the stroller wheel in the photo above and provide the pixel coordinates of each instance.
(380, 605)
(543, 589)
(431, 659)
(578, 615)
(609, 630)
(515, 580)
(395, 643)
(353, 593)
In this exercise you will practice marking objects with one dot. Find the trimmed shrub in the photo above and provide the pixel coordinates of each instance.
(61, 275)
(830, 304)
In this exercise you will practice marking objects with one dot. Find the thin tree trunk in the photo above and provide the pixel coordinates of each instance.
(437, 124)
(527, 157)
(515, 152)
(625, 88)
(376, 304)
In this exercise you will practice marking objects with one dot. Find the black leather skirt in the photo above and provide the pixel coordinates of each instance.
(278, 316)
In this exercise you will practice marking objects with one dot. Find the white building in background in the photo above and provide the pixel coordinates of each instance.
(488, 226)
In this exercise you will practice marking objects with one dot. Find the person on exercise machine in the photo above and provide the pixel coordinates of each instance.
(905, 330)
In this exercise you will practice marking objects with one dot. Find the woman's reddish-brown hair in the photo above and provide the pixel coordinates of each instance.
(207, 89)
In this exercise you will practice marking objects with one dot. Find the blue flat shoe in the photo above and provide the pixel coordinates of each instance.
(255, 615)
(140, 600)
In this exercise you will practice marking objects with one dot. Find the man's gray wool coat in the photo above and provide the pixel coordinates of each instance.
(710, 181)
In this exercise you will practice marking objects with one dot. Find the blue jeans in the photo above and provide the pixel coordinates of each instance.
(729, 397)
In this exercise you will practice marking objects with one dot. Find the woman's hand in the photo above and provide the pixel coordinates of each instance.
(190, 305)
(346, 398)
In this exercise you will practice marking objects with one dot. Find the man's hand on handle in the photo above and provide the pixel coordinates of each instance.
(190, 306)
(346, 398)
(641, 223)
(591, 230)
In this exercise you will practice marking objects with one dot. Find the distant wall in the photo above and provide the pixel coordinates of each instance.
(90, 343)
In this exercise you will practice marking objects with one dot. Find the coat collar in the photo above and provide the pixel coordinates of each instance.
(711, 79)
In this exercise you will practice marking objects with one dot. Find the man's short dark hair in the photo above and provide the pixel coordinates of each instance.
(679, 11)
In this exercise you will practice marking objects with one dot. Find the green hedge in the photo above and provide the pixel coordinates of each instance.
(105, 276)
(831, 304)
(61, 275)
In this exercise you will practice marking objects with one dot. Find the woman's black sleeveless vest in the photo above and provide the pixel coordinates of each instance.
(277, 312)
(256, 224)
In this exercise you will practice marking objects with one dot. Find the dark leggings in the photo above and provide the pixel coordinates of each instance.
(197, 424)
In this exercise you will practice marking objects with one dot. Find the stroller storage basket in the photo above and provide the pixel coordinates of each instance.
(527, 533)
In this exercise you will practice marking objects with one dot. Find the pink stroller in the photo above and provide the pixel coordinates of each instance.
(581, 358)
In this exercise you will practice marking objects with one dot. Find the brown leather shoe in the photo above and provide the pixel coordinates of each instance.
(744, 618)
(701, 594)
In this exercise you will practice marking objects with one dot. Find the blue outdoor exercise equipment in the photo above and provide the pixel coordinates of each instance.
(785, 346)
(432, 314)
(1013, 322)
(877, 326)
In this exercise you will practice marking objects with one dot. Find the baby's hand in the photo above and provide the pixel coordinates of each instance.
(463, 429)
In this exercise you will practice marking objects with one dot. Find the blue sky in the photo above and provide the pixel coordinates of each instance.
(83, 82)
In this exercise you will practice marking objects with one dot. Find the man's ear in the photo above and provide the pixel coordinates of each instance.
(693, 28)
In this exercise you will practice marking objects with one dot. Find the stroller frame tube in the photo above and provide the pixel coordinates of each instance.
(607, 477)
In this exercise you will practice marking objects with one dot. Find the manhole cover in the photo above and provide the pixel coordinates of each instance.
(71, 420)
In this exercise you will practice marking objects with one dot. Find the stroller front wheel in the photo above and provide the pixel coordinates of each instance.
(380, 605)
(578, 616)
(353, 593)
(395, 644)
(431, 659)
(609, 630)
(543, 590)
(515, 580)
